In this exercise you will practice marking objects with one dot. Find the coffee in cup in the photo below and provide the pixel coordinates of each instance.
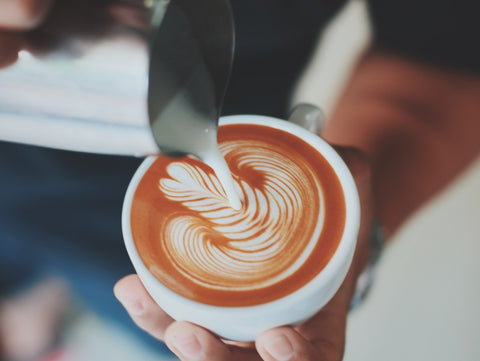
(289, 245)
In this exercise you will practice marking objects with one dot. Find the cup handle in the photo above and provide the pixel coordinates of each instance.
(308, 116)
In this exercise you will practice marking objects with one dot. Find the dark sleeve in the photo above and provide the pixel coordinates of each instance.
(274, 41)
(440, 32)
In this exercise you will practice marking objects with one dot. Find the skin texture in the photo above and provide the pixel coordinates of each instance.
(23, 14)
(414, 129)
(418, 125)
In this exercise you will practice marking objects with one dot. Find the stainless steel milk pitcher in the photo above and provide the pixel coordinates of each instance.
(92, 77)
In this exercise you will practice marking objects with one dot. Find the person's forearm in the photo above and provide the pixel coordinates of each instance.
(420, 127)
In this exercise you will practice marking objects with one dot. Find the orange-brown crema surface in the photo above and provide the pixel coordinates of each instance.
(289, 227)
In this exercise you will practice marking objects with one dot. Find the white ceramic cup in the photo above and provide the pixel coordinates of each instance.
(245, 323)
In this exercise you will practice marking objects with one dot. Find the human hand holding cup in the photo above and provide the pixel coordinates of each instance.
(275, 262)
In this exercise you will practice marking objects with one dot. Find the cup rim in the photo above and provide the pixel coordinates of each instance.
(335, 265)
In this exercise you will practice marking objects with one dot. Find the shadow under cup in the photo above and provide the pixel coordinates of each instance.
(274, 262)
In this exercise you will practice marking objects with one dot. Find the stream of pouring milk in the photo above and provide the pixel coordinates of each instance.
(215, 160)
(194, 134)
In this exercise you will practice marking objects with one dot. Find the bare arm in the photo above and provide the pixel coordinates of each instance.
(419, 126)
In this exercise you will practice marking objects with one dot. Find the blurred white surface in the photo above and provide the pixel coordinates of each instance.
(425, 303)
(94, 339)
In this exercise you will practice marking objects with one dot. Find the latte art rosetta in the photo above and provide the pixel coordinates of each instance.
(288, 228)
(265, 242)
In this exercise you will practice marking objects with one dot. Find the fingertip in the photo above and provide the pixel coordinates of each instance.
(141, 307)
(126, 286)
(275, 345)
(192, 342)
(130, 292)
(181, 338)
(284, 344)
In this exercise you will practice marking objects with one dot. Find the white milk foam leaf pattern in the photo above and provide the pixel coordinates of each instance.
(254, 239)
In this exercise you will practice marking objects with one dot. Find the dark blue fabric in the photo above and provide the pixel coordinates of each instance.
(274, 40)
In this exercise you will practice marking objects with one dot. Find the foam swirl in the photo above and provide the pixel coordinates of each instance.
(265, 242)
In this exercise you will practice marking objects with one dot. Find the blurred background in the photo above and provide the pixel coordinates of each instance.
(424, 304)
